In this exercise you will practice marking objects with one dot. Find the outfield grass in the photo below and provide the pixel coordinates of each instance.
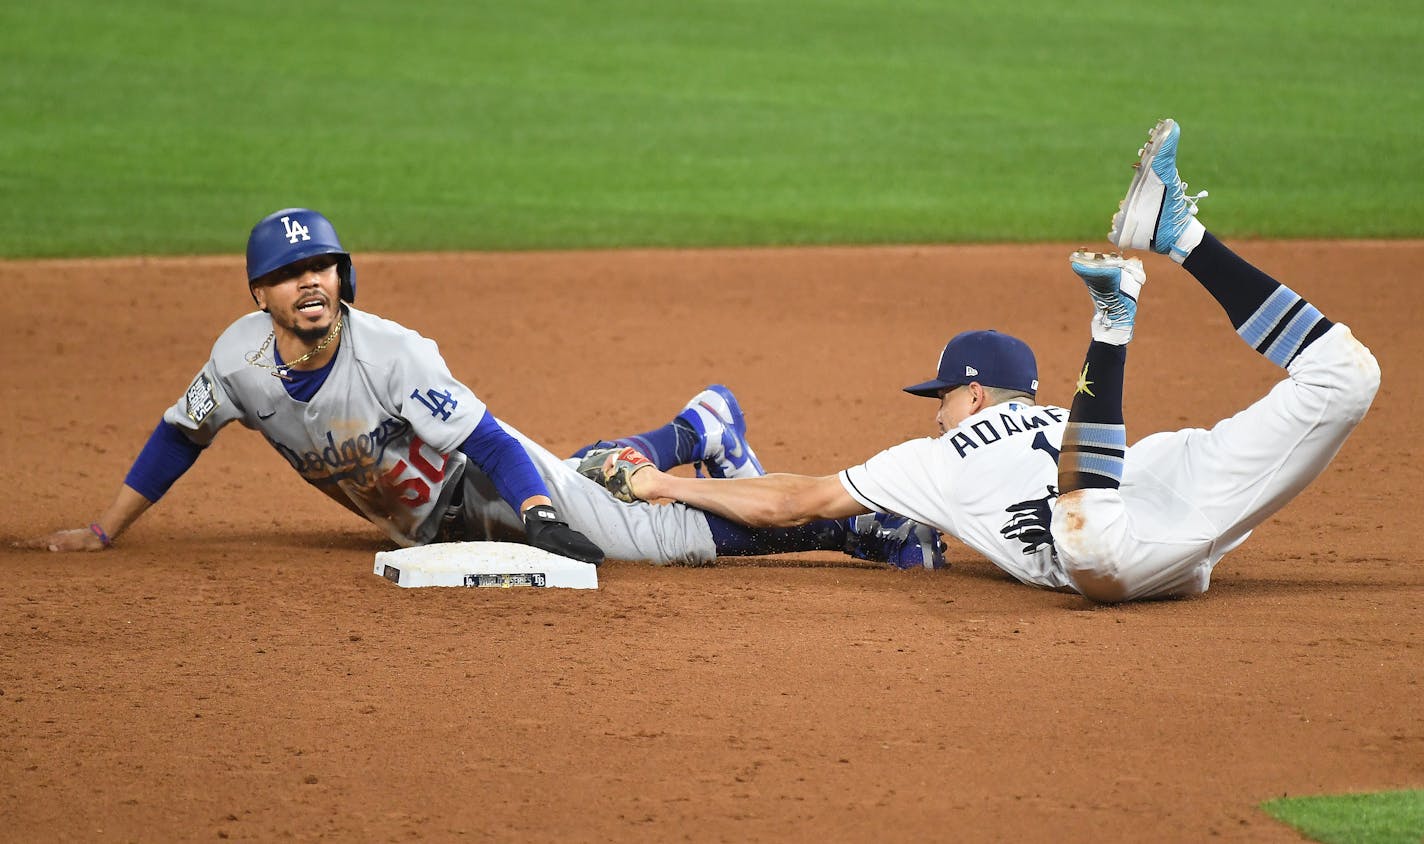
(155, 127)
(1393, 817)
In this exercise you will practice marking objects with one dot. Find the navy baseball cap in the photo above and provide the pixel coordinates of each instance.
(991, 358)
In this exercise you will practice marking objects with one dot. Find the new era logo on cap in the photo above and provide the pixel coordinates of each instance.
(970, 372)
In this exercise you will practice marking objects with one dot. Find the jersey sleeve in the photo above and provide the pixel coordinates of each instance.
(902, 480)
(205, 407)
(166, 456)
(442, 411)
(502, 458)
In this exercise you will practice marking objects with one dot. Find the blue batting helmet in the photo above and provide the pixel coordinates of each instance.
(294, 234)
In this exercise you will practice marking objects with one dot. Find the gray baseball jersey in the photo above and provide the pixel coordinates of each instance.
(381, 437)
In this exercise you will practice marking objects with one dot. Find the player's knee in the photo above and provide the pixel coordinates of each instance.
(1359, 381)
(1096, 573)
(1367, 382)
(1087, 529)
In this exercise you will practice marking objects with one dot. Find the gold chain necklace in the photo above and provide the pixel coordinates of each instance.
(281, 370)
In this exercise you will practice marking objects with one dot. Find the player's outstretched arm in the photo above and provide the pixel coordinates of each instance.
(164, 458)
(776, 500)
(127, 506)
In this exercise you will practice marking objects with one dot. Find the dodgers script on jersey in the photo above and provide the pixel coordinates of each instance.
(990, 482)
(380, 436)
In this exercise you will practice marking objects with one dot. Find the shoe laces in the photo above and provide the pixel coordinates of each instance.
(1190, 200)
(1112, 304)
(868, 535)
(1111, 307)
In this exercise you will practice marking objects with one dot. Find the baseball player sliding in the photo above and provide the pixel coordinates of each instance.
(368, 412)
(1055, 497)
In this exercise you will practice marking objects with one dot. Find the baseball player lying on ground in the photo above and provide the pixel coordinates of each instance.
(368, 412)
(1055, 497)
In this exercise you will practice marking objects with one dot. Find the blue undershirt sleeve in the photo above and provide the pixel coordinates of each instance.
(163, 460)
(502, 458)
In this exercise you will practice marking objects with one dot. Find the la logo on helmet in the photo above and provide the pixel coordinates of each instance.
(295, 230)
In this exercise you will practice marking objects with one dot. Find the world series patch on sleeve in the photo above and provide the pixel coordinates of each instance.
(201, 399)
(483, 564)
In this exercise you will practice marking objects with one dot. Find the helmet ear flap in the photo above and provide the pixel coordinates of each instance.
(347, 272)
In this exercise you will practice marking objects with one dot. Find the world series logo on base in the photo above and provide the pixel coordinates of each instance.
(484, 565)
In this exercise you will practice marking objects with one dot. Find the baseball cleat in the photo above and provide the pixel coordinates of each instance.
(723, 450)
(904, 544)
(1157, 208)
(1115, 283)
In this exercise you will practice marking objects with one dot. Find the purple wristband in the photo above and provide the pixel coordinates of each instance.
(99, 532)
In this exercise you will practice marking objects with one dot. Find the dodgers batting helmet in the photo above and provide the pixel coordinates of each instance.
(294, 234)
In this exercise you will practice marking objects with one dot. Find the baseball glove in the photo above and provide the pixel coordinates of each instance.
(616, 478)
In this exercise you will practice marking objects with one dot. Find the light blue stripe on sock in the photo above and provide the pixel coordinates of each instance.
(1288, 341)
(1261, 323)
(1095, 464)
(1096, 434)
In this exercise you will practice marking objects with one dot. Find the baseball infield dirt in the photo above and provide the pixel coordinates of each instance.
(233, 669)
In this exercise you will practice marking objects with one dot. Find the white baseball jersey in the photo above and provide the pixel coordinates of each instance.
(992, 483)
(989, 482)
(1187, 497)
(381, 437)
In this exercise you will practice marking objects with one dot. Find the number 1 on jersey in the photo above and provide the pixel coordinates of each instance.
(1040, 442)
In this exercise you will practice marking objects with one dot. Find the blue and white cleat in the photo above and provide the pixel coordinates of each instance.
(884, 538)
(1157, 208)
(1115, 283)
(722, 432)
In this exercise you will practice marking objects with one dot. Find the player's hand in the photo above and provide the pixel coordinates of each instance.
(1031, 522)
(77, 539)
(546, 530)
(625, 472)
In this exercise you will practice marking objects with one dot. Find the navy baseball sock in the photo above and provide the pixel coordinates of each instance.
(671, 445)
(734, 540)
(1095, 438)
(1273, 319)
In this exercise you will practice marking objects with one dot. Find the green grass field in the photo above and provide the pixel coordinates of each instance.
(154, 127)
(1393, 817)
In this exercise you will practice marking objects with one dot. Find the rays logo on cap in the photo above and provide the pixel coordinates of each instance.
(295, 230)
